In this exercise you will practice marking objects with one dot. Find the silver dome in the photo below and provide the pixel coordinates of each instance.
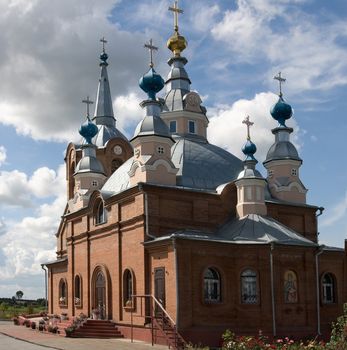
(282, 150)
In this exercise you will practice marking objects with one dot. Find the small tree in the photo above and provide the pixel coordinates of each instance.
(19, 294)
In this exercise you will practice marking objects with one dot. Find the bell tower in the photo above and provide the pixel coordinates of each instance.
(282, 160)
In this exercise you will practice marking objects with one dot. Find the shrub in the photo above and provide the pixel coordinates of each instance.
(33, 325)
(338, 339)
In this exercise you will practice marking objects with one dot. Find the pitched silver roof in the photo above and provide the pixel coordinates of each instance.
(252, 229)
(282, 148)
(152, 124)
(89, 163)
(119, 181)
(255, 228)
(105, 134)
(203, 165)
(177, 85)
(174, 100)
(103, 115)
(103, 106)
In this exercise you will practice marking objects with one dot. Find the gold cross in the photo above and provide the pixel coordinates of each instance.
(249, 124)
(104, 41)
(176, 11)
(280, 80)
(151, 48)
(88, 102)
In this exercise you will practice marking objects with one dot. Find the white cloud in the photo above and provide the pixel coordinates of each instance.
(305, 50)
(50, 63)
(128, 111)
(227, 130)
(28, 243)
(3, 226)
(204, 16)
(3, 154)
(336, 213)
(14, 189)
(17, 189)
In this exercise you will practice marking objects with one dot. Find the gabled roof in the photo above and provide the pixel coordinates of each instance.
(251, 229)
(255, 228)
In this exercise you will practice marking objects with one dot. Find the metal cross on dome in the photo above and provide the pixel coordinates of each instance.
(104, 41)
(88, 102)
(249, 124)
(151, 48)
(280, 81)
(176, 12)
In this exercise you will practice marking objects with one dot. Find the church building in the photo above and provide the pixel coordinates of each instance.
(168, 231)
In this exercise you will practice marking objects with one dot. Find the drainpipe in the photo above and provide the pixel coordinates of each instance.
(272, 247)
(46, 299)
(320, 251)
(146, 214)
(177, 290)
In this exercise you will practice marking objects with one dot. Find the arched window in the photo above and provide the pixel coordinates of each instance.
(62, 292)
(128, 287)
(328, 288)
(249, 293)
(78, 290)
(101, 216)
(212, 286)
(290, 287)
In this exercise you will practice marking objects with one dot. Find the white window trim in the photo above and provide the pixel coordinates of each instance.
(194, 122)
(173, 121)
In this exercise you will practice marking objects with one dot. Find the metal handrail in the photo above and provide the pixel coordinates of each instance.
(155, 302)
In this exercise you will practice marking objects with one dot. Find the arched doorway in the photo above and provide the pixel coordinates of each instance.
(101, 293)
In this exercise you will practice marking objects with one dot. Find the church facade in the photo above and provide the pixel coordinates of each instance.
(167, 221)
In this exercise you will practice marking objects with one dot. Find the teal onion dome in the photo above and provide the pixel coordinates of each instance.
(249, 149)
(281, 111)
(151, 83)
(88, 130)
(103, 58)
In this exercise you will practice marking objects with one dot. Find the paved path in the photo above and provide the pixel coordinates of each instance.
(20, 337)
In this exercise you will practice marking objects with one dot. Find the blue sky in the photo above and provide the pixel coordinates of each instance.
(49, 63)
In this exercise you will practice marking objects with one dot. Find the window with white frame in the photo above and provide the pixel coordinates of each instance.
(328, 288)
(78, 294)
(212, 286)
(94, 183)
(295, 172)
(191, 127)
(270, 174)
(101, 216)
(173, 126)
(128, 288)
(249, 293)
(63, 292)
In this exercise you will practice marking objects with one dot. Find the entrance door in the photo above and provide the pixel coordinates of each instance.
(159, 286)
(100, 294)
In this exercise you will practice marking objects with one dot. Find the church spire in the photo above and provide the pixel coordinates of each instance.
(103, 108)
(250, 184)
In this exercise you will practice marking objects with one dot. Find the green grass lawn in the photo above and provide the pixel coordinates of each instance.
(7, 312)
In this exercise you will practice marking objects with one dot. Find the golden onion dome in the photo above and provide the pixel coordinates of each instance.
(177, 43)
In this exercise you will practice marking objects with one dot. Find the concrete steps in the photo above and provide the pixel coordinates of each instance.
(97, 329)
